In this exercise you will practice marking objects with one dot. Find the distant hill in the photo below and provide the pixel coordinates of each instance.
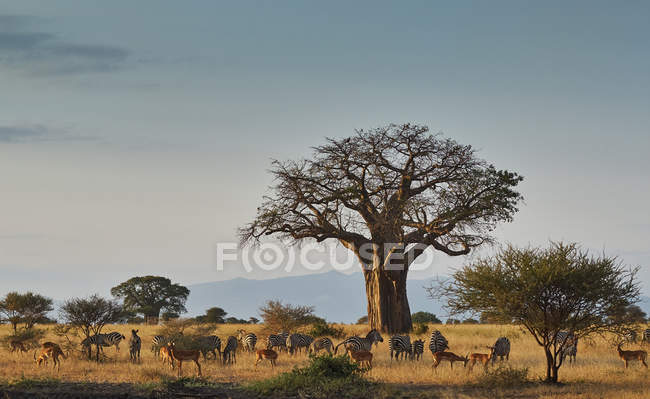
(337, 297)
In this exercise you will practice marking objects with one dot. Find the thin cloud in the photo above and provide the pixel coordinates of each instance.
(45, 53)
(22, 134)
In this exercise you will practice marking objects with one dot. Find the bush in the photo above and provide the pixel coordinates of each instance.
(504, 377)
(280, 317)
(323, 377)
(425, 317)
(326, 330)
(420, 329)
(29, 337)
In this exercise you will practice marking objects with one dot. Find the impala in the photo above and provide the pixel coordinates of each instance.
(362, 357)
(50, 350)
(626, 356)
(16, 346)
(163, 351)
(483, 358)
(269, 354)
(183, 355)
(450, 357)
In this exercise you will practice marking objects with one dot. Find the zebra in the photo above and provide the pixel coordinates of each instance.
(156, 343)
(418, 349)
(110, 339)
(321, 344)
(295, 342)
(135, 343)
(229, 354)
(569, 345)
(278, 341)
(356, 343)
(646, 336)
(438, 342)
(210, 344)
(248, 340)
(630, 337)
(400, 344)
(501, 349)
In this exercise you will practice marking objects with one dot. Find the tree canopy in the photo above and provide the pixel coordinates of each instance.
(28, 308)
(149, 295)
(388, 194)
(560, 288)
(425, 317)
(280, 317)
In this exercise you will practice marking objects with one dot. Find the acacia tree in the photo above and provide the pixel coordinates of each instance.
(561, 288)
(28, 308)
(149, 295)
(90, 315)
(387, 195)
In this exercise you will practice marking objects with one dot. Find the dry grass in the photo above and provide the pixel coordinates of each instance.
(598, 372)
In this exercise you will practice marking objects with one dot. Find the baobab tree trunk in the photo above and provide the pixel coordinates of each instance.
(388, 307)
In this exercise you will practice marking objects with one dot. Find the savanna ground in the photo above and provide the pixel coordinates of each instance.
(598, 372)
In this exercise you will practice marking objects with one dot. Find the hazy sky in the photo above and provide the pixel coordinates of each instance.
(134, 136)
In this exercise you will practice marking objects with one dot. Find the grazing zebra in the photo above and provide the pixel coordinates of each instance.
(110, 339)
(135, 344)
(400, 344)
(248, 340)
(157, 342)
(646, 336)
(322, 344)
(357, 344)
(278, 341)
(295, 342)
(229, 354)
(418, 349)
(569, 345)
(501, 349)
(438, 342)
(630, 337)
(210, 344)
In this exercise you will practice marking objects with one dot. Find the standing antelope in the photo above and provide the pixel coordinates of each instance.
(450, 357)
(362, 357)
(483, 358)
(16, 346)
(269, 354)
(163, 351)
(50, 350)
(632, 355)
(182, 356)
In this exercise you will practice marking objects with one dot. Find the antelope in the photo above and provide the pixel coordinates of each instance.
(269, 354)
(50, 350)
(450, 357)
(165, 355)
(483, 358)
(632, 355)
(182, 356)
(16, 346)
(362, 357)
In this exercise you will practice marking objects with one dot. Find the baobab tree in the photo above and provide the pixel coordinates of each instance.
(388, 194)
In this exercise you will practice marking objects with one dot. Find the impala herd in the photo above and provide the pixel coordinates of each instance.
(358, 349)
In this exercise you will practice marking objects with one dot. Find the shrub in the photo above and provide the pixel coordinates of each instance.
(420, 329)
(504, 377)
(323, 377)
(425, 317)
(280, 317)
(326, 330)
(29, 337)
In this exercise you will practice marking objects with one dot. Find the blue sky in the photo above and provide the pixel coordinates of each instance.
(136, 135)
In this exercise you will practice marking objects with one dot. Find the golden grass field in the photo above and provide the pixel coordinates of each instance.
(598, 373)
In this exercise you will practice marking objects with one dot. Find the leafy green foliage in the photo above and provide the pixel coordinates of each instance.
(326, 330)
(323, 377)
(425, 317)
(28, 308)
(149, 295)
(280, 317)
(504, 377)
(213, 315)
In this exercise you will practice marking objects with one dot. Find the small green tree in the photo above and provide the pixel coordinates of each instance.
(28, 308)
(149, 295)
(560, 288)
(90, 315)
(425, 317)
(215, 315)
(280, 317)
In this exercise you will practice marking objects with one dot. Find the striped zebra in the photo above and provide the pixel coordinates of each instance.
(418, 349)
(568, 345)
(110, 339)
(438, 342)
(277, 341)
(630, 337)
(157, 342)
(400, 345)
(321, 344)
(248, 340)
(501, 349)
(135, 343)
(229, 354)
(646, 336)
(209, 344)
(357, 343)
(295, 342)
